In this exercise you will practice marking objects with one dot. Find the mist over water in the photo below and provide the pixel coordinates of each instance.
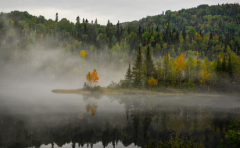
(31, 115)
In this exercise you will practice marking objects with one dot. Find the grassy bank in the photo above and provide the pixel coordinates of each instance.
(109, 91)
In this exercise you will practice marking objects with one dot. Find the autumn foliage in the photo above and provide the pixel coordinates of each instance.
(83, 53)
(92, 77)
(152, 82)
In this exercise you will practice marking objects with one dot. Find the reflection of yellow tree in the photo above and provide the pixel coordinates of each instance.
(91, 105)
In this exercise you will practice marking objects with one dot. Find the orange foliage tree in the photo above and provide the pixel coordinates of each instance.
(92, 77)
(95, 77)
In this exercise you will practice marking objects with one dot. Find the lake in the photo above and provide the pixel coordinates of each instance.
(33, 116)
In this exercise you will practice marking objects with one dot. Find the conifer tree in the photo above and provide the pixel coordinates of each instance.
(136, 70)
(56, 19)
(149, 64)
(224, 63)
(128, 76)
(157, 30)
(165, 65)
(96, 21)
(184, 34)
(78, 19)
(118, 32)
(230, 65)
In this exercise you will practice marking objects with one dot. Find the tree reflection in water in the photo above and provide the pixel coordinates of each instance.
(141, 120)
(91, 105)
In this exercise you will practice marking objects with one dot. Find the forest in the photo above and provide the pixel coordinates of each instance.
(190, 48)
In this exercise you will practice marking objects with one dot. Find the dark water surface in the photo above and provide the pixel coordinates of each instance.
(31, 117)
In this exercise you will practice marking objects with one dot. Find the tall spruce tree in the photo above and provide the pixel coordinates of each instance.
(184, 33)
(224, 68)
(118, 31)
(78, 19)
(56, 18)
(230, 70)
(136, 70)
(128, 76)
(149, 64)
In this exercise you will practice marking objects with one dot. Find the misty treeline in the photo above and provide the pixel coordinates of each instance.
(221, 73)
(205, 32)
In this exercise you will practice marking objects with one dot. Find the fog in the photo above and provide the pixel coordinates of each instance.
(28, 76)
(40, 67)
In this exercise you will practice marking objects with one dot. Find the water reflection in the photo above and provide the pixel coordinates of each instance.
(91, 105)
(130, 121)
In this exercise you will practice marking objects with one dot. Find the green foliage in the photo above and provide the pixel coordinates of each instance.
(128, 76)
(175, 142)
(211, 31)
(149, 64)
(233, 134)
(136, 70)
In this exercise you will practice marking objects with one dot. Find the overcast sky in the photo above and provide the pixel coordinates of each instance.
(114, 10)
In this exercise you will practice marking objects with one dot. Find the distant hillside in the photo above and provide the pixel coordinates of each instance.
(216, 19)
(206, 29)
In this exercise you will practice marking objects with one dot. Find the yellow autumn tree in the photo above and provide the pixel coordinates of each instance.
(180, 66)
(152, 82)
(89, 78)
(83, 53)
(205, 74)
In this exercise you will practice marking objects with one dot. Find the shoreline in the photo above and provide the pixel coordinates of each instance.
(133, 92)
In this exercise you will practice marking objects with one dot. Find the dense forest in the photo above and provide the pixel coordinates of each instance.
(197, 47)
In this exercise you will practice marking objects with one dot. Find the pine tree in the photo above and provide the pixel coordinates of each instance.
(165, 66)
(118, 32)
(218, 68)
(157, 30)
(96, 21)
(128, 76)
(184, 34)
(78, 19)
(230, 65)
(224, 63)
(149, 64)
(136, 70)
(56, 19)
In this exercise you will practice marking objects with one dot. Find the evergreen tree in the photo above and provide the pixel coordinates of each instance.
(184, 33)
(56, 19)
(96, 21)
(224, 63)
(149, 64)
(218, 68)
(136, 70)
(230, 65)
(157, 30)
(118, 32)
(78, 19)
(128, 76)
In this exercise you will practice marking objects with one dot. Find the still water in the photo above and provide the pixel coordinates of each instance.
(31, 117)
